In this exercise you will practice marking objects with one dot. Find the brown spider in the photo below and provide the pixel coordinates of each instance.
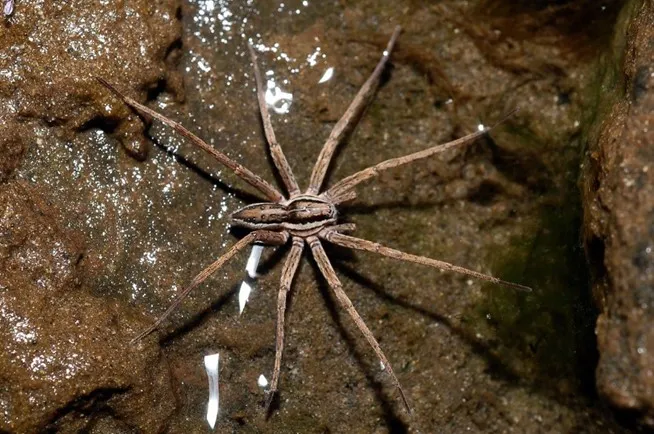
(309, 217)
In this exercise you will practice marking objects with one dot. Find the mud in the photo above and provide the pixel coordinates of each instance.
(141, 214)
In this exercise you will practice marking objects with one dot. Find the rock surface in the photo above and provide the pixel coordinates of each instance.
(618, 184)
(66, 355)
(52, 52)
(471, 357)
(66, 363)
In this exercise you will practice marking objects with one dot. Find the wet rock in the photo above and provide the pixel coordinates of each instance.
(66, 361)
(12, 148)
(471, 358)
(67, 364)
(618, 186)
(51, 53)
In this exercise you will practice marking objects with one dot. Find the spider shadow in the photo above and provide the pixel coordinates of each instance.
(201, 317)
(393, 421)
(479, 347)
(206, 175)
(369, 209)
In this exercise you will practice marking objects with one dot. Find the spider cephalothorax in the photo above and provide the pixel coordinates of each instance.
(302, 215)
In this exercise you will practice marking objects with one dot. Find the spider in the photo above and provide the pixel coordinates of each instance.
(309, 217)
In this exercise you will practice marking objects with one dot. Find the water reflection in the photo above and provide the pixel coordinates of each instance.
(329, 73)
(211, 366)
(8, 8)
(278, 100)
(251, 269)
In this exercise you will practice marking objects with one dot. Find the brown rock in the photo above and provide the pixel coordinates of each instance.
(67, 364)
(618, 185)
(66, 361)
(52, 53)
(472, 358)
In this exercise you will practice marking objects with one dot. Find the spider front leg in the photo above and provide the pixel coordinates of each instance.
(343, 191)
(349, 119)
(276, 152)
(239, 170)
(288, 273)
(266, 237)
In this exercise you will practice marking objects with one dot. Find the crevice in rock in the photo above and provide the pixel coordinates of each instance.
(90, 404)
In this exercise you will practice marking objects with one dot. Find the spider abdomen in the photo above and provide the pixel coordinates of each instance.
(302, 215)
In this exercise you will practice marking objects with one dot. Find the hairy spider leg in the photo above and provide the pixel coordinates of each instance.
(328, 272)
(350, 118)
(267, 237)
(288, 273)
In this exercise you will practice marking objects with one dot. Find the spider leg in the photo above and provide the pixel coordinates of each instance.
(268, 237)
(342, 190)
(275, 150)
(288, 273)
(328, 271)
(361, 244)
(349, 118)
(241, 171)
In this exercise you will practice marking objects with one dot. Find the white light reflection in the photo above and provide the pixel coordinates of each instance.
(253, 261)
(277, 99)
(481, 127)
(251, 269)
(311, 58)
(8, 8)
(243, 295)
(262, 381)
(203, 65)
(327, 75)
(211, 366)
